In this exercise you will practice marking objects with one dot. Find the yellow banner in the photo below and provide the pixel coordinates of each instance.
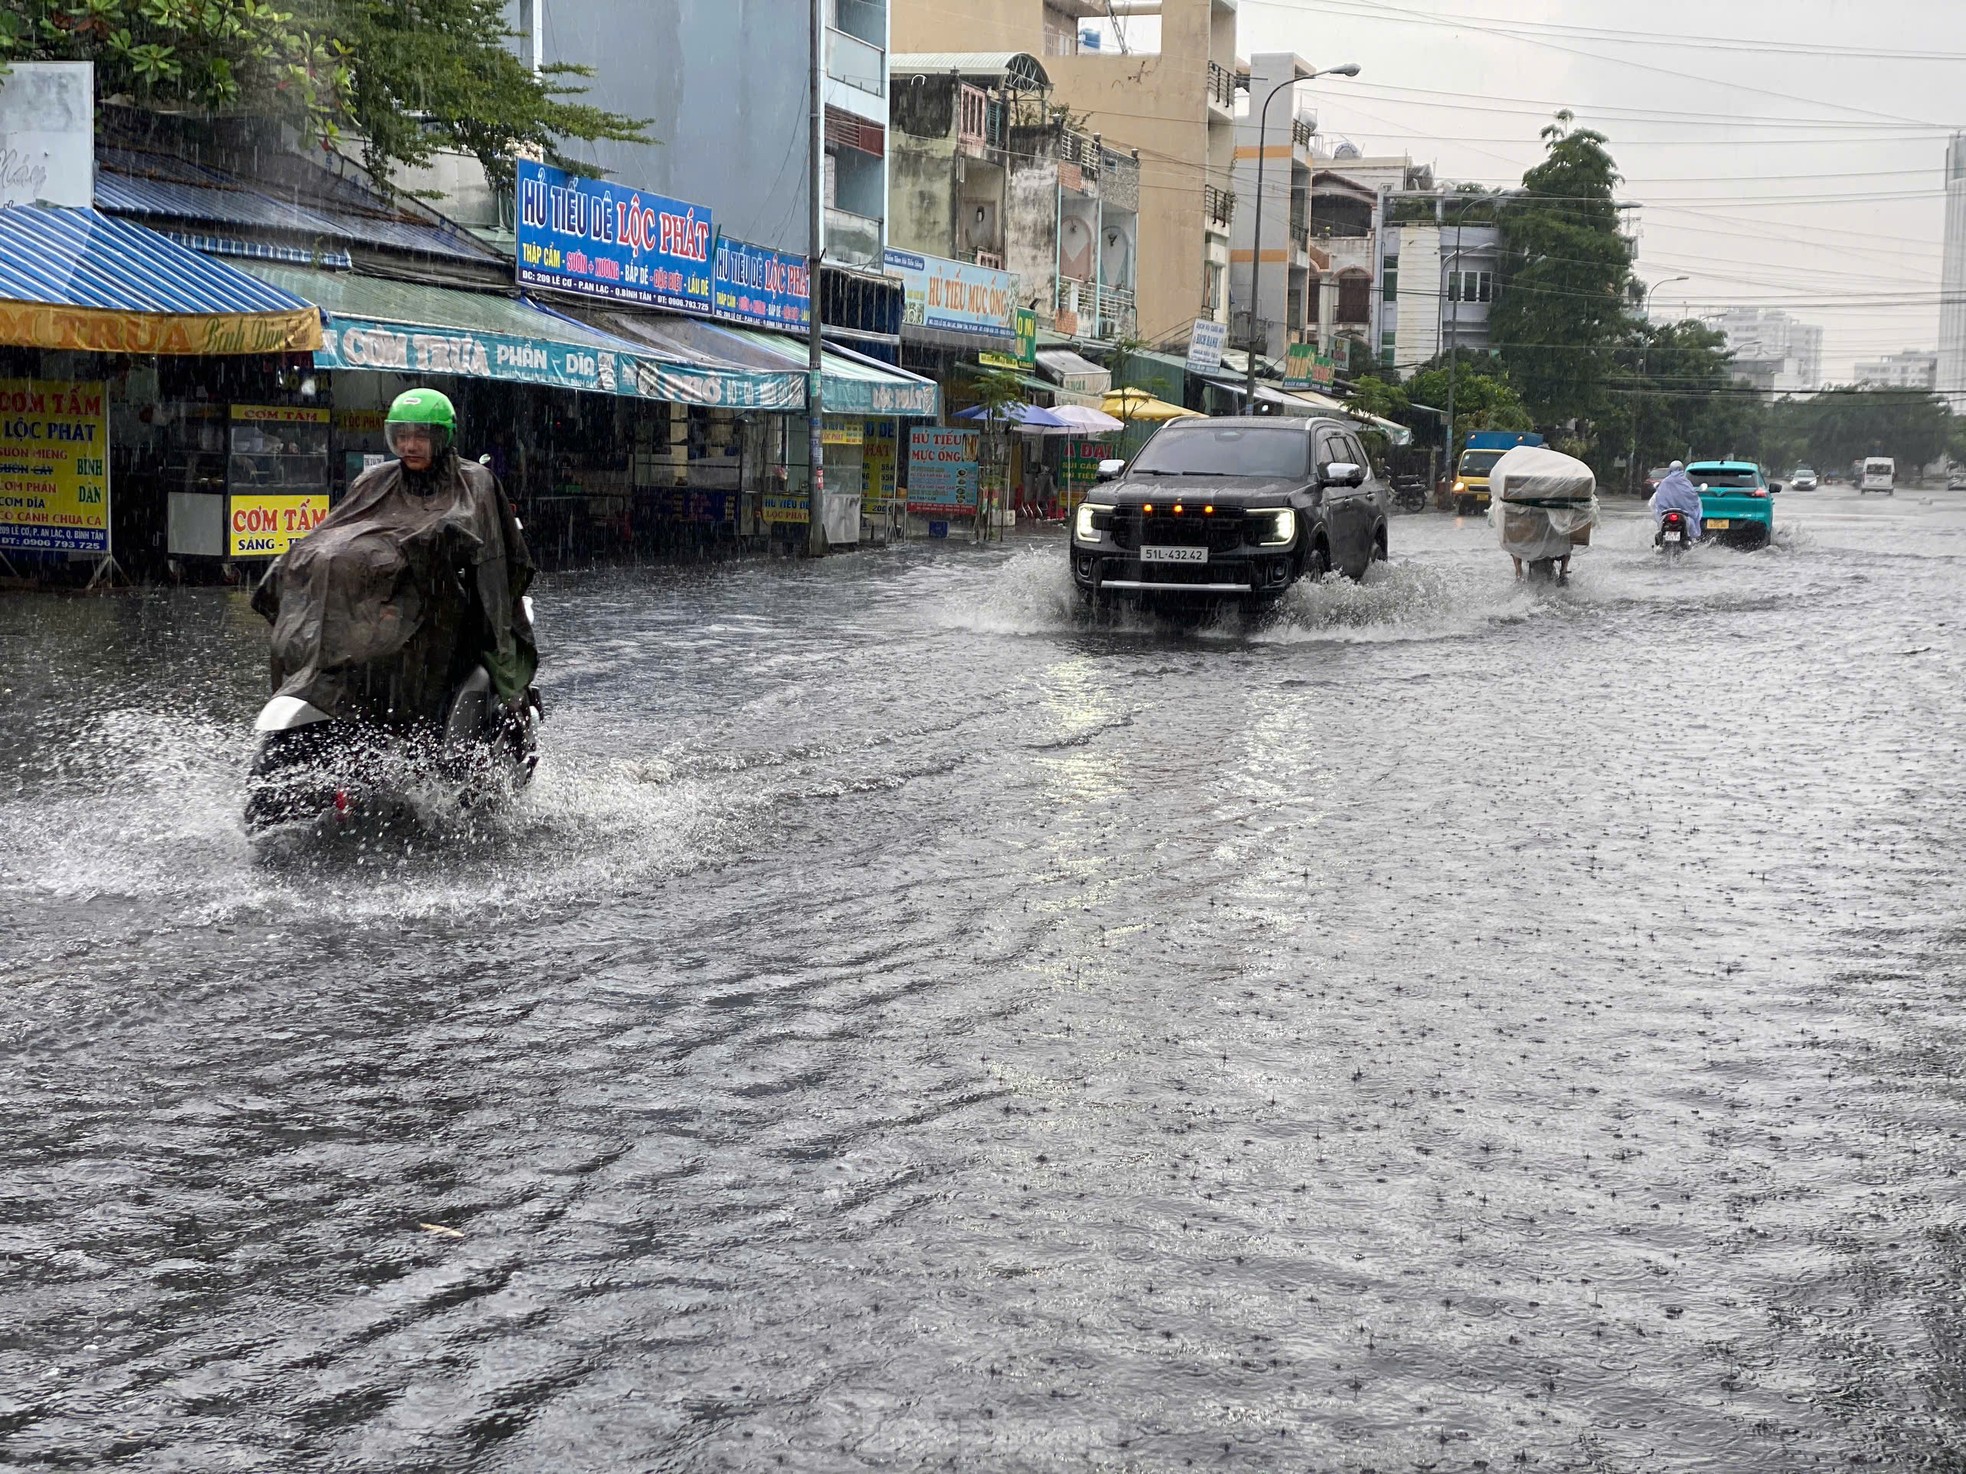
(279, 414)
(841, 434)
(266, 524)
(785, 507)
(95, 330)
(54, 466)
(877, 483)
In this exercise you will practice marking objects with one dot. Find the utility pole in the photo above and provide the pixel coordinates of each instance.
(1453, 368)
(816, 193)
(1644, 358)
(1349, 69)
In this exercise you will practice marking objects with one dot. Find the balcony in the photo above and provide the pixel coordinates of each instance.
(1116, 314)
(852, 240)
(1078, 148)
(854, 62)
(1302, 131)
(1221, 87)
(1219, 205)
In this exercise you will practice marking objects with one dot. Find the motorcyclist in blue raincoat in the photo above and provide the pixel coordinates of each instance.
(1677, 493)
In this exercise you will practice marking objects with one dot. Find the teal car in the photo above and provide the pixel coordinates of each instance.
(1736, 502)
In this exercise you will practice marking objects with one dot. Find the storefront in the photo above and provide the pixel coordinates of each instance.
(112, 338)
(672, 441)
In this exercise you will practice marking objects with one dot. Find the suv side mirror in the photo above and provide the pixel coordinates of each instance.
(1342, 473)
(1774, 488)
(1110, 470)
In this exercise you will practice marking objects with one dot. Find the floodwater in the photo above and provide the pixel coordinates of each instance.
(1458, 1026)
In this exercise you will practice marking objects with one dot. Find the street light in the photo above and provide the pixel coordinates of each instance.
(1644, 350)
(1349, 69)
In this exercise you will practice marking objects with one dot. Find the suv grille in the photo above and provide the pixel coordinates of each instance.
(1218, 533)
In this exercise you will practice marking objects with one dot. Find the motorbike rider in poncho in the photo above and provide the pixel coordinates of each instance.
(1677, 493)
(414, 578)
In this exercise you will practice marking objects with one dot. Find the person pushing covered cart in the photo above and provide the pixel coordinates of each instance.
(1543, 504)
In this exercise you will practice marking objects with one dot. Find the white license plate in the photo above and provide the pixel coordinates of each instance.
(1174, 555)
(1675, 537)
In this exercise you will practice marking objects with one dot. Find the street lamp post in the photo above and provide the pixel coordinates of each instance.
(1644, 351)
(1349, 69)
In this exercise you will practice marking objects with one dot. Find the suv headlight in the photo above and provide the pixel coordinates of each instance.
(1083, 527)
(1282, 529)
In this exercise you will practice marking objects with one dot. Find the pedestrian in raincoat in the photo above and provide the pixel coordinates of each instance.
(415, 577)
(1677, 493)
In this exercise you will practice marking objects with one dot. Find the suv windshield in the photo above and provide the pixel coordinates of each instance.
(1720, 476)
(1225, 450)
(1479, 462)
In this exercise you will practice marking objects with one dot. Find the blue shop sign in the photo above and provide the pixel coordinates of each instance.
(751, 284)
(607, 240)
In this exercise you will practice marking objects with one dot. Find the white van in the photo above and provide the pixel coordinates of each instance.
(1880, 473)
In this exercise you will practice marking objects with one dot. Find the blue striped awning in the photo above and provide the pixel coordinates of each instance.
(77, 279)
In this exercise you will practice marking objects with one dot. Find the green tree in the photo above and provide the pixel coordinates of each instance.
(1840, 426)
(206, 55)
(407, 81)
(1372, 395)
(1483, 398)
(441, 74)
(1679, 400)
(1559, 317)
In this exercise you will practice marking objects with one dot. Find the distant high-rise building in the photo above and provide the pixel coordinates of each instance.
(1773, 351)
(1952, 281)
(1913, 369)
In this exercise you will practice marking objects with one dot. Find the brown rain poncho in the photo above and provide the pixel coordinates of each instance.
(384, 607)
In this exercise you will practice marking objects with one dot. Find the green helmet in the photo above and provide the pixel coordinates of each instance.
(430, 411)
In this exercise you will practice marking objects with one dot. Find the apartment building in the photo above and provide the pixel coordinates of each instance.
(1174, 106)
(984, 169)
(1913, 369)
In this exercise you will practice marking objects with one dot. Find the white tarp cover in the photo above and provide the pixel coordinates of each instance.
(1542, 502)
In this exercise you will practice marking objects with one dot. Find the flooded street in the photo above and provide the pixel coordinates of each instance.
(1461, 1025)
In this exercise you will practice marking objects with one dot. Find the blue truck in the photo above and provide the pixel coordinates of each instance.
(1478, 458)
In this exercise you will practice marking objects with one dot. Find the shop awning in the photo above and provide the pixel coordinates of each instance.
(705, 346)
(1325, 404)
(408, 327)
(853, 384)
(76, 279)
(1279, 400)
(1072, 371)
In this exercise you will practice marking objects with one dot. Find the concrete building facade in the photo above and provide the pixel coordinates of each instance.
(1269, 281)
(1773, 352)
(984, 169)
(740, 149)
(1950, 379)
(1446, 272)
(1174, 106)
(1912, 369)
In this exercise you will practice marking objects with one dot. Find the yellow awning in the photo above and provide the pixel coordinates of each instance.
(80, 280)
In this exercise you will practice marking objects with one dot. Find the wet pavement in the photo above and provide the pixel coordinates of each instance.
(1458, 1026)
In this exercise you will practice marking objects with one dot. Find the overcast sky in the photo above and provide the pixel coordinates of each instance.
(1788, 153)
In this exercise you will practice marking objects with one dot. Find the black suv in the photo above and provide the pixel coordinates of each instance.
(1233, 508)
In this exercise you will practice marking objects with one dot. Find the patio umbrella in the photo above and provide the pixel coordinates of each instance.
(1083, 420)
(1024, 416)
(1138, 404)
